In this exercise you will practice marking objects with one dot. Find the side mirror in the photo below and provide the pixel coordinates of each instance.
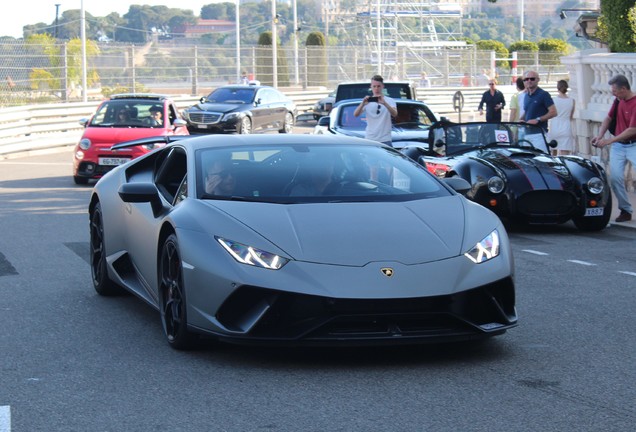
(439, 143)
(141, 193)
(84, 121)
(553, 144)
(203, 99)
(458, 184)
(323, 121)
(179, 123)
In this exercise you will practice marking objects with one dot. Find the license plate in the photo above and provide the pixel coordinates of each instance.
(109, 161)
(203, 126)
(594, 211)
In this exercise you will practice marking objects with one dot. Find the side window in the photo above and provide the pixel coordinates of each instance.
(182, 192)
(172, 113)
(170, 173)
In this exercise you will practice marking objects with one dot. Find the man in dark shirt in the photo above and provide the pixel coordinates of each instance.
(538, 104)
(494, 101)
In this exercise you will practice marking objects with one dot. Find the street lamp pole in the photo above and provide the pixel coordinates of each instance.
(274, 43)
(83, 36)
(521, 19)
(238, 43)
(296, 73)
(57, 14)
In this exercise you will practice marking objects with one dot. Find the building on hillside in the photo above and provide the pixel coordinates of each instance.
(203, 27)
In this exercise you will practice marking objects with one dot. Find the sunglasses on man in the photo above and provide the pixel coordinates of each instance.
(529, 79)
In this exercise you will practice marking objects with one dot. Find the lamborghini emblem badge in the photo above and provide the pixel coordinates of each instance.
(387, 271)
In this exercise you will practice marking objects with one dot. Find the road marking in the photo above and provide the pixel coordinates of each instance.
(585, 263)
(628, 273)
(534, 252)
(5, 419)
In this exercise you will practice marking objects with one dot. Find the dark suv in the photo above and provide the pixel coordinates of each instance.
(356, 90)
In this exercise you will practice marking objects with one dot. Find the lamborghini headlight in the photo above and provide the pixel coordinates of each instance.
(485, 250)
(595, 185)
(252, 256)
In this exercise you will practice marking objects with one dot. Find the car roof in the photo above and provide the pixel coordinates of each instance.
(140, 96)
(204, 141)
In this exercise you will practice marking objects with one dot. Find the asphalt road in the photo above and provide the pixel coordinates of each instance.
(73, 361)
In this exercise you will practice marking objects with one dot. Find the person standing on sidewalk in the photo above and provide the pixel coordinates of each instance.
(623, 144)
(538, 105)
(560, 127)
(378, 109)
(516, 102)
(494, 101)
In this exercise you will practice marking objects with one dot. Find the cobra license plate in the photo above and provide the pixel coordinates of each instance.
(594, 211)
(110, 161)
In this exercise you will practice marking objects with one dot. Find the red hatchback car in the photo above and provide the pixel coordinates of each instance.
(123, 117)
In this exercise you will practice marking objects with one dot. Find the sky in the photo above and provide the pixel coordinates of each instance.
(36, 11)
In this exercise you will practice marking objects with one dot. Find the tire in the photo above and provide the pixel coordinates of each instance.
(99, 270)
(595, 223)
(80, 180)
(288, 125)
(246, 126)
(172, 297)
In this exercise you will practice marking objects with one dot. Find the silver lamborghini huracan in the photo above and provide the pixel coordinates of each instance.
(299, 239)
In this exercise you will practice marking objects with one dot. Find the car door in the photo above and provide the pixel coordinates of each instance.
(278, 107)
(144, 225)
(262, 112)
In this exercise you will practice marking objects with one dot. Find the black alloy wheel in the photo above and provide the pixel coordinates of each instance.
(99, 271)
(172, 297)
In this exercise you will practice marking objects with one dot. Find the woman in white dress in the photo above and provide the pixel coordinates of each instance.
(560, 127)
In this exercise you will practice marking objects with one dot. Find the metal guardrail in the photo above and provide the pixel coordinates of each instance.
(37, 127)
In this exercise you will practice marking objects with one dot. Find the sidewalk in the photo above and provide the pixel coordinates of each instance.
(616, 212)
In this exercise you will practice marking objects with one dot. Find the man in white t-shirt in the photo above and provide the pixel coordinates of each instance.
(378, 110)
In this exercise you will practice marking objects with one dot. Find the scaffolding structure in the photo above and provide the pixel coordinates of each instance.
(399, 34)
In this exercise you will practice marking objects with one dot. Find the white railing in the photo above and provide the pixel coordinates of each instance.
(589, 73)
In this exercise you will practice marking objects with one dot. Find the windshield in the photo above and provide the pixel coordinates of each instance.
(450, 139)
(410, 116)
(129, 113)
(235, 95)
(312, 173)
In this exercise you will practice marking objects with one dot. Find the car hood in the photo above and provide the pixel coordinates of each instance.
(397, 134)
(221, 107)
(527, 168)
(355, 234)
(113, 135)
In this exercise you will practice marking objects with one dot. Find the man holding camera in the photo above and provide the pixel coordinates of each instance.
(378, 110)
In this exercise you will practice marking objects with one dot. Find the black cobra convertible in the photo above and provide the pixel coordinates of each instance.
(300, 239)
(512, 172)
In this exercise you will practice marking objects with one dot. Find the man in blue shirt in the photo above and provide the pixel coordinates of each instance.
(538, 104)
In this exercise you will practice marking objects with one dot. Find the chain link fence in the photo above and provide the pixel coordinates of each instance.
(32, 73)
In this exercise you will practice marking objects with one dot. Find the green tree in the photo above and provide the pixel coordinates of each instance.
(317, 59)
(264, 62)
(499, 48)
(620, 18)
(50, 76)
(219, 11)
(523, 46)
(551, 51)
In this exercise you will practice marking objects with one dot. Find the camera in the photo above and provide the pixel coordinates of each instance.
(373, 99)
